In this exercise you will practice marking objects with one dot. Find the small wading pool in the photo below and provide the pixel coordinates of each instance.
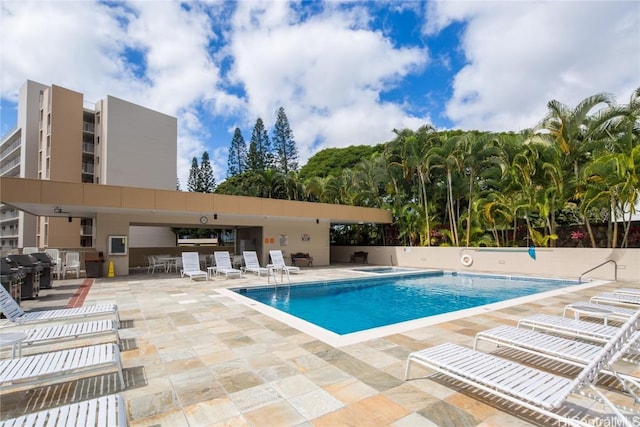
(353, 305)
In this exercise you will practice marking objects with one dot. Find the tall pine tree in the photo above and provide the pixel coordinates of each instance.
(260, 157)
(237, 161)
(207, 180)
(193, 184)
(283, 144)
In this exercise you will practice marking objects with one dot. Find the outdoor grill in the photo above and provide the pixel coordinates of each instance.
(31, 284)
(11, 278)
(46, 277)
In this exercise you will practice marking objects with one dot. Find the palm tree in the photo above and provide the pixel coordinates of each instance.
(481, 156)
(567, 128)
(412, 156)
(270, 182)
(447, 158)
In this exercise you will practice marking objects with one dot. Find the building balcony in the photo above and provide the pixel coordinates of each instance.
(12, 168)
(87, 168)
(88, 127)
(88, 148)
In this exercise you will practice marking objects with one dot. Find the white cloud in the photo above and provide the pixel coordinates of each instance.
(82, 46)
(523, 54)
(326, 71)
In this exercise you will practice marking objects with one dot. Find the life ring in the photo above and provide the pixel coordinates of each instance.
(466, 260)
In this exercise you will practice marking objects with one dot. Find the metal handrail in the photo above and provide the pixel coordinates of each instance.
(615, 273)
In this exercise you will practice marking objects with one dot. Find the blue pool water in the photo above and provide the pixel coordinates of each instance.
(355, 305)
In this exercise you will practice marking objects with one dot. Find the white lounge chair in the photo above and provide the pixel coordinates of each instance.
(252, 264)
(590, 331)
(531, 388)
(277, 260)
(601, 311)
(223, 265)
(551, 347)
(69, 331)
(14, 313)
(44, 368)
(108, 410)
(627, 291)
(191, 266)
(617, 299)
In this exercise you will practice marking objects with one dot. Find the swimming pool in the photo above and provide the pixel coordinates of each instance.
(354, 305)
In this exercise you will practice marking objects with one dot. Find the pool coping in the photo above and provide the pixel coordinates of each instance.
(337, 340)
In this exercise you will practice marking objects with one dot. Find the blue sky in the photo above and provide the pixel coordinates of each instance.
(346, 72)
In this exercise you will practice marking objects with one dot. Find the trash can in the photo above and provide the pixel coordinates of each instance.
(93, 263)
(46, 276)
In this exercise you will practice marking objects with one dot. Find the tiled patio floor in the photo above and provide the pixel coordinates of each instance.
(195, 358)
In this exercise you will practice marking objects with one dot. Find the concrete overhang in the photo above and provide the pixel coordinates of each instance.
(165, 207)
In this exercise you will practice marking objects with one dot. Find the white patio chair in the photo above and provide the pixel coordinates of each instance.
(540, 391)
(109, 410)
(154, 261)
(191, 266)
(56, 268)
(252, 264)
(71, 263)
(277, 260)
(15, 314)
(45, 368)
(223, 265)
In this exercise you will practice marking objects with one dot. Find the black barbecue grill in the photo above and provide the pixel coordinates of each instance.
(11, 278)
(33, 269)
(46, 279)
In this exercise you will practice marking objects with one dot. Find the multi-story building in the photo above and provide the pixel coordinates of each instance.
(59, 136)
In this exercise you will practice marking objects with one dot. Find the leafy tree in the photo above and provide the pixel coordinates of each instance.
(260, 156)
(207, 181)
(331, 161)
(193, 184)
(286, 152)
(237, 161)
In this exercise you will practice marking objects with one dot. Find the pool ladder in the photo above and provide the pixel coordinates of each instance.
(273, 271)
(615, 274)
